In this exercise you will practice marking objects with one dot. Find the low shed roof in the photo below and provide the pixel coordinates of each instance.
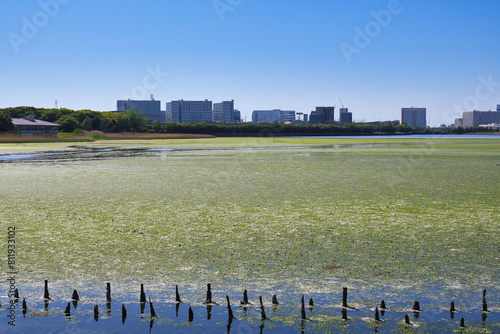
(32, 121)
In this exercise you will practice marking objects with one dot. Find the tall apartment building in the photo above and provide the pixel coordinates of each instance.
(477, 118)
(273, 116)
(415, 117)
(322, 115)
(224, 112)
(189, 111)
(345, 117)
(150, 109)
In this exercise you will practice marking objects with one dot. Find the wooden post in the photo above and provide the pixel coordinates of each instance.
(46, 291)
(177, 296)
(16, 294)
(452, 306)
(416, 306)
(75, 295)
(407, 319)
(462, 322)
(124, 313)
(485, 305)
(382, 305)
(311, 303)
(24, 306)
(344, 314)
(303, 309)
(344, 297)
(96, 313)
(262, 311)
(244, 302)
(152, 309)
(229, 310)
(67, 311)
(209, 295)
(190, 315)
(108, 292)
(377, 316)
(275, 300)
(142, 297)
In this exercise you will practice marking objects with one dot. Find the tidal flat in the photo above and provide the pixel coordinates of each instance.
(393, 219)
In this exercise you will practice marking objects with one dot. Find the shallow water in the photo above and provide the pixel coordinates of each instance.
(326, 316)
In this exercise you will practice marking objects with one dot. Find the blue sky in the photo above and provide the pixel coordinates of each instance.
(377, 56)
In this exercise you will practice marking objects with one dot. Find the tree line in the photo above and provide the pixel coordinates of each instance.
(133, 121)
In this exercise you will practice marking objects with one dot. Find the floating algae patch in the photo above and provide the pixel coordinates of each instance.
(399, 223)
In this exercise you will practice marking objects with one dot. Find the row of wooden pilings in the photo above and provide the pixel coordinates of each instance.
(244, 303)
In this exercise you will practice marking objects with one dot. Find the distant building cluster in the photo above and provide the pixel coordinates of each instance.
(479, 118)
(180, 111)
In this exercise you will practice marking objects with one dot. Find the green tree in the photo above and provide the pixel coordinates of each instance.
(87, 124)
(6, 124)
(137, 122)
(69, 124)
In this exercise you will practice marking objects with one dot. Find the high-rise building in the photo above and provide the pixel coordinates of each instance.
(189, 111)
(150, 109)
(414, 117)
(224, 112)
(236, 116)
(477, 118)
(498, 107)
(322, 115)
(345, 117)
(273, 116)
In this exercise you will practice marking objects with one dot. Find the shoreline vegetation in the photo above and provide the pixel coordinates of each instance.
(85, 125)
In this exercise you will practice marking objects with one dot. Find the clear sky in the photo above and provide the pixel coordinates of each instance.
(377, 56)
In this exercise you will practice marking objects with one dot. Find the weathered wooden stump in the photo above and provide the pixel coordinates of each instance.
(416, 306)
(108, 292)
(311, 303)
(485, 305)
(275, 300)
(262, 310)
(96, 312)
(382, 305)
(452, 306)
(462, 322)
(75, 295)
(190, 314)
(124, 313)
(244, 301)
(344, 297)
(142, 297)
(377, 316)
(152, 309)
(46, 291)
(24, 307)
(177, 296)
(67, 310)
(407, 319)
(208, 300)
(229, 310)
(16, 294)
(303, 309)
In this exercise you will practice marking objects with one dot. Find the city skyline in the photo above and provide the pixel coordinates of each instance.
(377, 57)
